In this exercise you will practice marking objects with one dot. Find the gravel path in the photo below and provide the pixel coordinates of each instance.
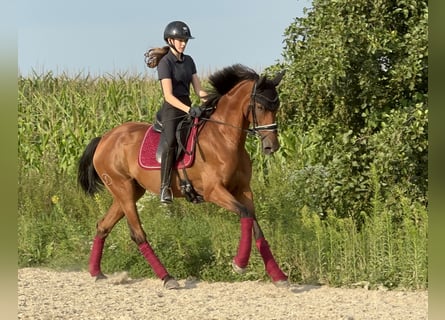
(47, 294)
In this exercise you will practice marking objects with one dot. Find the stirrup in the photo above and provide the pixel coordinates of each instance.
(166, 195)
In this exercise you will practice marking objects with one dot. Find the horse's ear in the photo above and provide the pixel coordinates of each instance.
(278, 78)
(261, 81)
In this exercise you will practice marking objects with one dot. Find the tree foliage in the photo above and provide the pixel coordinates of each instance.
(357, 85)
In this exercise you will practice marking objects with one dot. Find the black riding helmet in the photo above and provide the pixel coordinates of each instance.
(177, 30)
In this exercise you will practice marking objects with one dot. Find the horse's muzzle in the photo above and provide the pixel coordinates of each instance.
(270, 144)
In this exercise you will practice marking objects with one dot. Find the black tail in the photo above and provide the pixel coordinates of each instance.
(87, 176)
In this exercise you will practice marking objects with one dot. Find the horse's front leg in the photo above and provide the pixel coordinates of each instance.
(241, 260)
(248, 222)
(272, 268)
(243, 206)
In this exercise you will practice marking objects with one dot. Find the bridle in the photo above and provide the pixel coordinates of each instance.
(273, 127)
(254, 96)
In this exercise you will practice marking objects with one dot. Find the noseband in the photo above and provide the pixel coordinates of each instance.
(273, 127)
(254, 96)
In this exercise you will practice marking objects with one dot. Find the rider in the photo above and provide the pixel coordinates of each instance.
(176, 71)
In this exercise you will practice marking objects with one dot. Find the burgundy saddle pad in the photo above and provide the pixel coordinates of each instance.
(149, 146)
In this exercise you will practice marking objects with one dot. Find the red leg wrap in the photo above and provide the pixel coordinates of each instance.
(153, 260)
(245, 244)
(96, 256)
(272, 267)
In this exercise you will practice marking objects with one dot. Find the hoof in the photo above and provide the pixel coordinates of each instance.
(282, 284)
(170, 283)
(238, 269)
(100, 276)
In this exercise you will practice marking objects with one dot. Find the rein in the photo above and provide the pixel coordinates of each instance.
(252, 108)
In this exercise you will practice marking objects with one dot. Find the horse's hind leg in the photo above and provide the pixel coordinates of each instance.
(104, 226)
(272, 268)
(128, 193)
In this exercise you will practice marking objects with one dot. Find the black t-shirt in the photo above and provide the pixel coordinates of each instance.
(179, 71)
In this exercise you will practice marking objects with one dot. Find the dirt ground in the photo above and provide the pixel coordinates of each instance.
(47, 294)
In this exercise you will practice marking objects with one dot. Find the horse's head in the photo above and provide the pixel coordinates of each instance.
(260, 111)
(264, 103)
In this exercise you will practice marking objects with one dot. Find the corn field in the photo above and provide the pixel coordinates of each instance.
(59, 115)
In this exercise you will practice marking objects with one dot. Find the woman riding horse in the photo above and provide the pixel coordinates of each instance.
(221, 171)
(175, 71)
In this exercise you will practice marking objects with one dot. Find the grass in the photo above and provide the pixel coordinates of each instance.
(56, 227)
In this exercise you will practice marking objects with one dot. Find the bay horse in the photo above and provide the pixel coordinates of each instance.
(220, 173)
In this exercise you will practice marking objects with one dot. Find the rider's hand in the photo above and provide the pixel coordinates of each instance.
(195, 112)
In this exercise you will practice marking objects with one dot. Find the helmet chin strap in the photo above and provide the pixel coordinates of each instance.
(171, 45)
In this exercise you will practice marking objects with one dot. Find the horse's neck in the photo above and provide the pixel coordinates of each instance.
(227, 132)
(232, 107)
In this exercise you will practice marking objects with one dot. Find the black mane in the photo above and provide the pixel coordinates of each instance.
(224, 80)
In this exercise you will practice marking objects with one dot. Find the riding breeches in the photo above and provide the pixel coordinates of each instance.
(171, 117)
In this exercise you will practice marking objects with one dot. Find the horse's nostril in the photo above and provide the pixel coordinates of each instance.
(270, 147)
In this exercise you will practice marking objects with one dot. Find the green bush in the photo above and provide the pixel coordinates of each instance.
(356, 92)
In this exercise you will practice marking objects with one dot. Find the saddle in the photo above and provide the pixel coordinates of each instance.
(152, 145)
(186, 135)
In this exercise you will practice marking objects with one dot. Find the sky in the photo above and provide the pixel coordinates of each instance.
(110, 37)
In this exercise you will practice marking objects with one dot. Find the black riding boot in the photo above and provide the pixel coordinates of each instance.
(167, 161)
